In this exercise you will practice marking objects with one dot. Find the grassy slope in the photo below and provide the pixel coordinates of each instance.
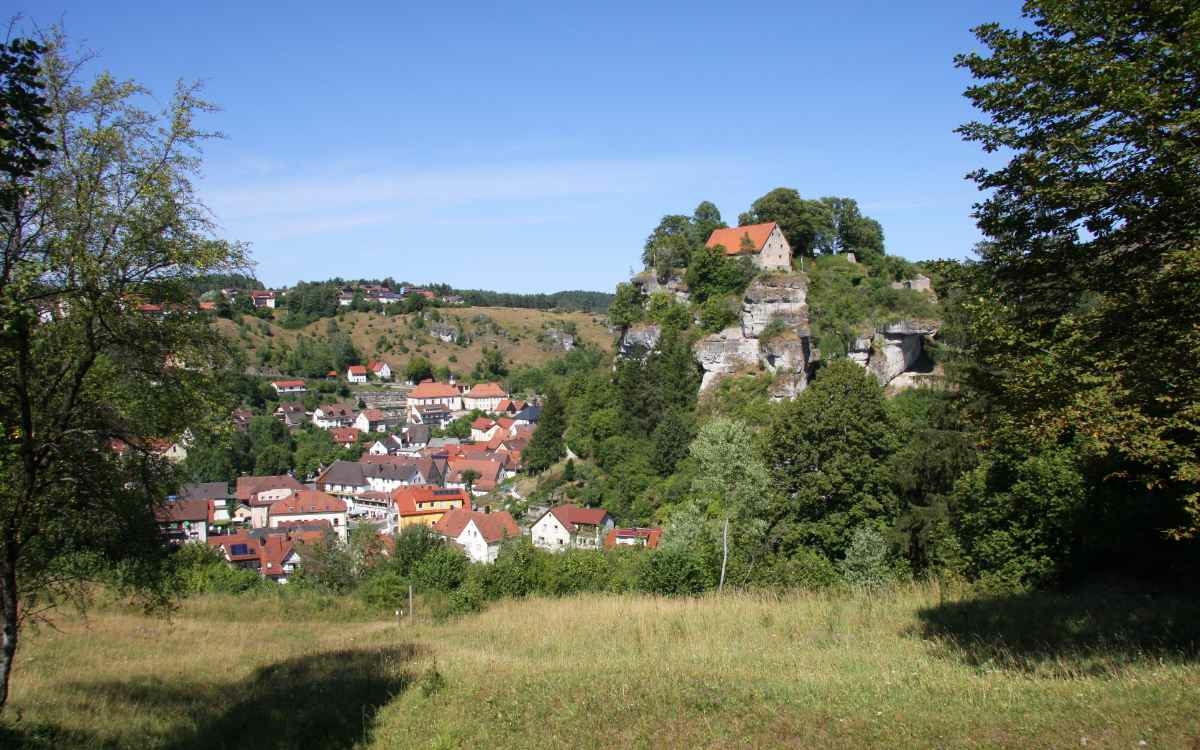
(519, 327)
(828, 671)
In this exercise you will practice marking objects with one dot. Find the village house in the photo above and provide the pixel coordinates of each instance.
(373, 420)
(633, 537)
(489, 473)
(356, 374)
(433, 415)
(764, 243)
(292, 414)
(344, 437)
(364, 485)
(479, 534)
(482, 429)
(272, 553)
(263, 298)
(310, 505)
(259, 493)
(184, 520)
(381, 370)
(388, 445)
(284, 387)
(484, 397)
(528, 415)
(328, 416)
(432, 393)
(509, 407)
(425, 504)
(571, 527)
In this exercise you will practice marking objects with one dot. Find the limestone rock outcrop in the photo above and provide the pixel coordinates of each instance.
(893, 349)
(779, 299)
(638, 340)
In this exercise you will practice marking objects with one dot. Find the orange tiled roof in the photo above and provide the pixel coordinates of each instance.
(731, 237)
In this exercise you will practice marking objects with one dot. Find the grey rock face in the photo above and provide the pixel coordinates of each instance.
(893, 350)
(638, 340)
(725, 352)
(783, 298)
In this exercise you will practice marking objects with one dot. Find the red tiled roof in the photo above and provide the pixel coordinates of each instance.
(408, 498)
(308, 501)
(493, 527)
(374, 415)
(288, 383)
(430, 389)
(571, 515)
(343, 435)
(731, 237)
(482, 423)
(505, 423)
(358, 370)
(487, 390)
(652, 536)
(374, 366)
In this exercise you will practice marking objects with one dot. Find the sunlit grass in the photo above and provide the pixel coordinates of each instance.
(911, 668)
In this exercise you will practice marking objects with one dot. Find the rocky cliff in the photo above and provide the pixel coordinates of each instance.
(774, 335)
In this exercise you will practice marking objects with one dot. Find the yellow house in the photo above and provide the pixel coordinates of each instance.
(425, 504)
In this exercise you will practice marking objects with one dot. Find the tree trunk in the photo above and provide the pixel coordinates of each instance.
(8, 603)
(724, 554)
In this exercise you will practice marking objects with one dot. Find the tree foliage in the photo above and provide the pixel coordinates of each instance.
(826, 453)
(1085, 308)
(84, 368)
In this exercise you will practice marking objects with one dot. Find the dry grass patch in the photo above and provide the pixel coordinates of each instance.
(902, 669)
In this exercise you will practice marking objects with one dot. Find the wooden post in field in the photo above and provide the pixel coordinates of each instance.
(410, 605)
(724, 554)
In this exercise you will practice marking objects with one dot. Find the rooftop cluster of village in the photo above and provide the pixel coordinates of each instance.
(404, 477)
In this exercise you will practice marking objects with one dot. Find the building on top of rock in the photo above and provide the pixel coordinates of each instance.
(764, 243)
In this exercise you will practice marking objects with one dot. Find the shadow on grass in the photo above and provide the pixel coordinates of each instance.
(1066, 634)
(327, 700)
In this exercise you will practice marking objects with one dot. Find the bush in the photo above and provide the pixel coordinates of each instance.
(866, 562)
(385, 589)
(673, 572)
(442, 569)
(803, 569)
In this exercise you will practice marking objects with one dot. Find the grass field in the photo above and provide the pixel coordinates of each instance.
(515, 332)
(905, 669)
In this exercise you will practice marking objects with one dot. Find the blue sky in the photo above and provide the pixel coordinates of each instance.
(533, 147)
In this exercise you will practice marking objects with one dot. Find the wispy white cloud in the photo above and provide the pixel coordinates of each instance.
(313, 201)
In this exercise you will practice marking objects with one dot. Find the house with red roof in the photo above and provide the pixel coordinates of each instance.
(483, 429)
(283, 387)
(344, 437)
(425, 504)
(633, 537)
(484, 397)
(479, 534)
(356, 373)
(373, 420)
(328, 416)
(263, 298)
(571, 527)
(272, 553)
(309, 506)
(764, 243)
(432, 393)
(261, 492)
(489, 473)
(380, 369)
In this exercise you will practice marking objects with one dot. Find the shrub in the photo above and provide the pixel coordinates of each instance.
(866, 562)
(442, 569)
(673, 572)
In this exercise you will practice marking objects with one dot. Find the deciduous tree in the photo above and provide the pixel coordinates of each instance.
(99, 348)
